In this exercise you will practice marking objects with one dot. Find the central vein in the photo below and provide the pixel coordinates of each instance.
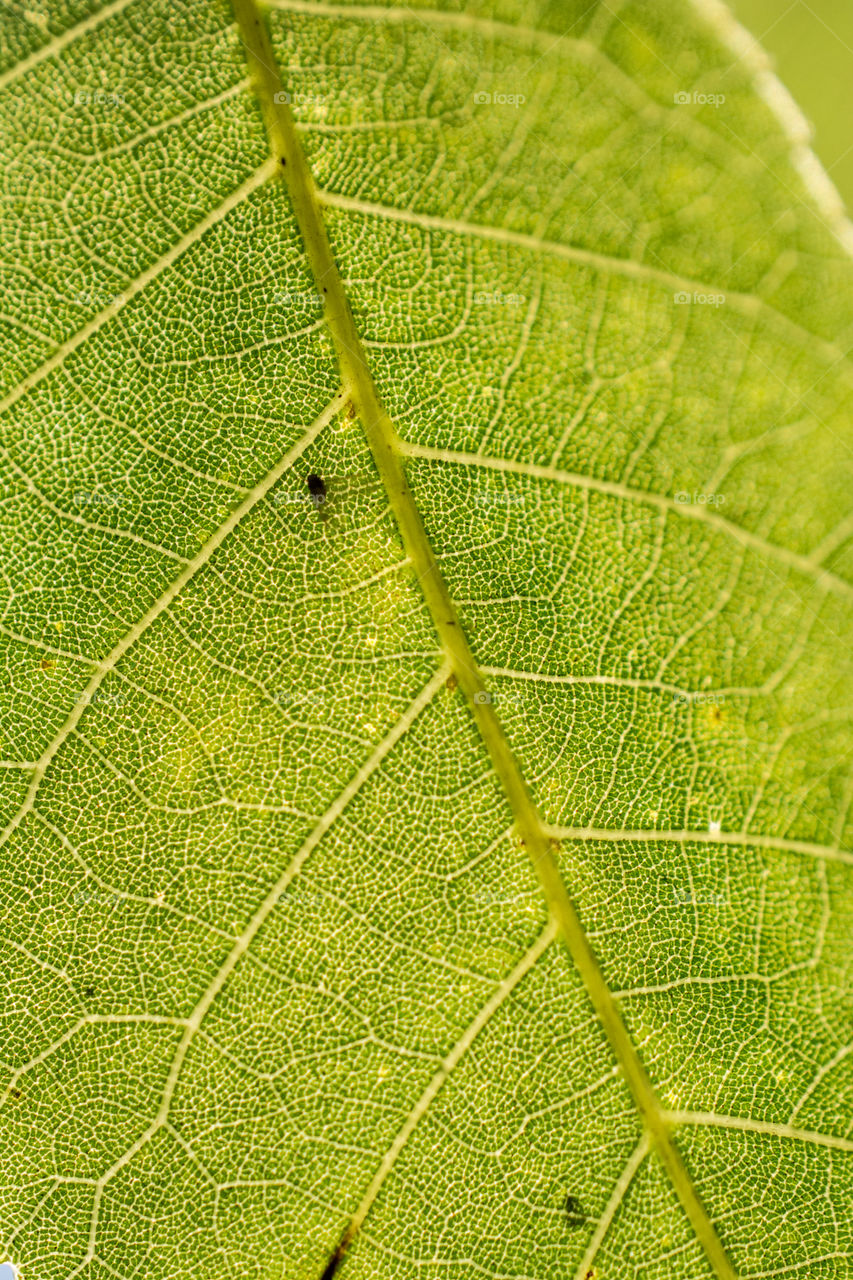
(385, 447)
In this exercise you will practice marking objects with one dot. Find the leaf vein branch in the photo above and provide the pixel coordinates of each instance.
(618, 1194)
(611, 488)
(135, 286)
(740, 839)
(241, 945)
(60, 42)
(766, 1127)
(748, 304)
(104, 667)
(435, 1085)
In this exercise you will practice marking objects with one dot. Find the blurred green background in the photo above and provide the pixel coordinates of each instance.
(811, 45)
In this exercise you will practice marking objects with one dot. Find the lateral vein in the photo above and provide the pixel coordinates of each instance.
(109, 312)
(107, 664)
(60, 42)
(824, 579)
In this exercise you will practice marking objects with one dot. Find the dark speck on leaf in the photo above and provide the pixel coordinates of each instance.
(88, 992)
(317, 489)
(575, 1215)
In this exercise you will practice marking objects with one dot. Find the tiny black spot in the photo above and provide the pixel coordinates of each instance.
(317, 489)
(575, 1215)
(282, 160)
(16, 1093)
(88, 992)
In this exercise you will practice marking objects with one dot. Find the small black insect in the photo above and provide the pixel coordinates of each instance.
(317, 489)
(575, 1215)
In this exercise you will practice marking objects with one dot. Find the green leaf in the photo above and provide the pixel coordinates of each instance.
(451, 877)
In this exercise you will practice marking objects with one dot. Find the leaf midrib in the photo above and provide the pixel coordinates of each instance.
(388, 455)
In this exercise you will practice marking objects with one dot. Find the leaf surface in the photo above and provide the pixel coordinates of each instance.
(281, 976)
